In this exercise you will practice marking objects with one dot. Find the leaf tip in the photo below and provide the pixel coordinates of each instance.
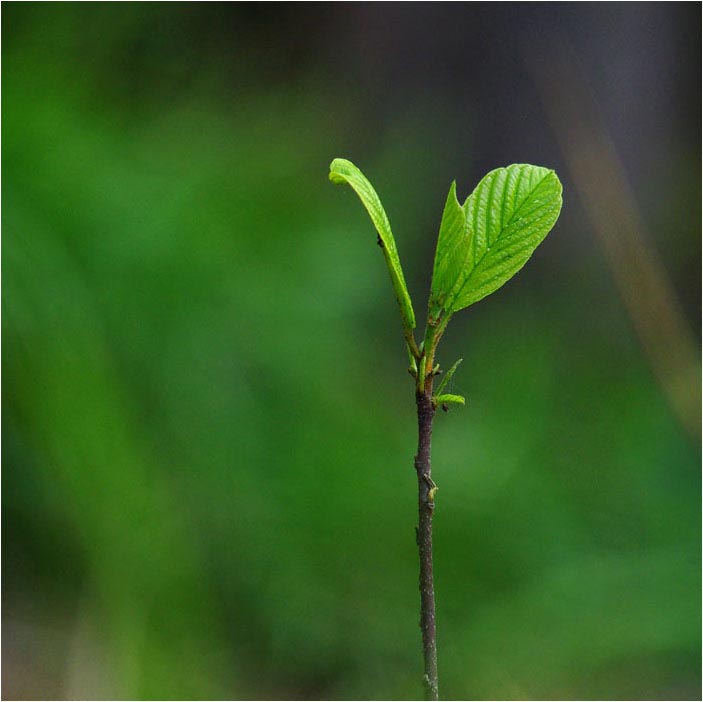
(339, 170)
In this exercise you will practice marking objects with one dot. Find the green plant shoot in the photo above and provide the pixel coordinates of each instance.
(482, 244)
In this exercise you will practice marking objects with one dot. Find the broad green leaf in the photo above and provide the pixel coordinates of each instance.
(448, 399)
(448, 377)
(343, 171)
(508, 214)
(449, 255)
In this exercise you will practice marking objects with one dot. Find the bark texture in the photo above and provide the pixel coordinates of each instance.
(426, 505)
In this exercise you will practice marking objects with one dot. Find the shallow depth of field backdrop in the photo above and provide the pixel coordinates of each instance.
(208, 428)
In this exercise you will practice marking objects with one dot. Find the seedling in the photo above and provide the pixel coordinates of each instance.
(481, 245)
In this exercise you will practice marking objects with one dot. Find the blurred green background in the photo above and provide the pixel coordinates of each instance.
(208, 429)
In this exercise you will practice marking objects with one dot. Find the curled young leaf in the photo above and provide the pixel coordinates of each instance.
(343, 171)
(447, 377)
(449, 399)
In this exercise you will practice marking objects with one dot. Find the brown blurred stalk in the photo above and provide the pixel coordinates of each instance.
(642, 281)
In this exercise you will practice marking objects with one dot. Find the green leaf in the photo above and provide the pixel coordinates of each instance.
(448, 399)
(508, 215)
(448, 377)
(449, 256)
(343, 171)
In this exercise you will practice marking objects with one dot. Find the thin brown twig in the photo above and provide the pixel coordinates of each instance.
(426, 493)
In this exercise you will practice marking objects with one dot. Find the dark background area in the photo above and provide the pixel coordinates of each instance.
(208, 429)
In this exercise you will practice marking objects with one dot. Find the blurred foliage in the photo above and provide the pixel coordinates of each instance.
(208, 428)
